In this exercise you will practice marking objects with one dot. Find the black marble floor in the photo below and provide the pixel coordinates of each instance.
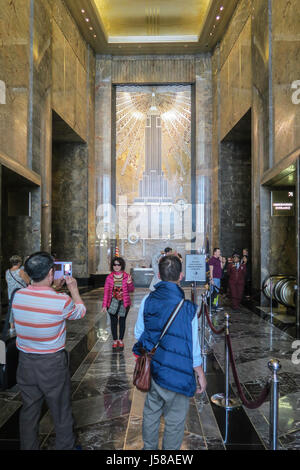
(108, 409)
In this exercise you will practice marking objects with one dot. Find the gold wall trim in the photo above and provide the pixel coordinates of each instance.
(153, 70)
(20, 169)
(270, 175)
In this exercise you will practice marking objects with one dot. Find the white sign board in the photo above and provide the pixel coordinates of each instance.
(195, 268)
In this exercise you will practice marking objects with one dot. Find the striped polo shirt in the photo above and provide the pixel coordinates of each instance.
(40, 316)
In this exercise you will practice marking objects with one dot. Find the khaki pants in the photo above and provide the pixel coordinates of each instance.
(174, 407)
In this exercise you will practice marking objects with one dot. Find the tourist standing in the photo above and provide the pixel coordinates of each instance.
(176, 371)
(40, 316)
(116, 300)
(215, 269)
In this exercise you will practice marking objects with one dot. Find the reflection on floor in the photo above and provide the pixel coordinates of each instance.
(108, 410)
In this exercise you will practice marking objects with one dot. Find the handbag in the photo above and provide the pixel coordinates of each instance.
(142, 370)
(9, 354)
(114, 305)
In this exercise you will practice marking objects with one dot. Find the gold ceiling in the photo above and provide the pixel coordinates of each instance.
(129, 27)
(152, 20)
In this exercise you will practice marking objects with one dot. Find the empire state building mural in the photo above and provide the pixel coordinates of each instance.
(153, 187)
(153, 166)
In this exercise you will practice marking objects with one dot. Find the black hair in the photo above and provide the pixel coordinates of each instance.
(170, 268)
(38, 265)
(168, 249)
(215, 249)
(120, 260)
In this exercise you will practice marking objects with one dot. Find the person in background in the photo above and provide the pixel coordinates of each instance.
(40, 316)
(154, 263)
(224, 278)
(116, 299)
(215, 268)
(16, 278)
(247, 262)
(236, 274)
(176, 366)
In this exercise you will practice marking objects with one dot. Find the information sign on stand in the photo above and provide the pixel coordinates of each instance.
(195, 268)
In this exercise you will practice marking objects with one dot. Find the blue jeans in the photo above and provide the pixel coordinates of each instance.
(217, 283)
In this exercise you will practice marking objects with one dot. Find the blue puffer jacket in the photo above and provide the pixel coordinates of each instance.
(172, 363)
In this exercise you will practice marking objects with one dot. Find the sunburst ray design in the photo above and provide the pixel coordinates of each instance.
(172, 103)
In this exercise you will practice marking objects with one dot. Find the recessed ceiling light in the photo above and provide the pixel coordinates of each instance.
(218, 17)
(87, 19)
(91, 28)
(82, 11)
(95, 35)
(221, 8)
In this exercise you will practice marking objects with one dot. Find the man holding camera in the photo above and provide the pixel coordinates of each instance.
(40, 315)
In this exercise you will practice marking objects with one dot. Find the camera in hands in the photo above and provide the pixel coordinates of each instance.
(62, 269)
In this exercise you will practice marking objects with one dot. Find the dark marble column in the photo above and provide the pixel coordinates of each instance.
(70, 205)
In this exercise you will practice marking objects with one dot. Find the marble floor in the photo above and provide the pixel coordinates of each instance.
(108, 410)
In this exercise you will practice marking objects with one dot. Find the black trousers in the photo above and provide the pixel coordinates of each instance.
(116, 320)
(39, 377)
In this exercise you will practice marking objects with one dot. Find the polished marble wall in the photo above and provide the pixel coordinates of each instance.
(45, 64)
(69, 205)
(150, 70)
(15, 73)
(253, 68)
(285, 70)
(235, 186)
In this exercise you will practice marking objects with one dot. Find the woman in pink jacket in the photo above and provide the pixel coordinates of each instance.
(116, 299)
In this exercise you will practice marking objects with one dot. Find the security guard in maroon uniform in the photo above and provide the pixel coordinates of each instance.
(236, 274)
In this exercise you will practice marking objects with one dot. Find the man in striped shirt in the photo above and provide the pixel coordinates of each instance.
(40, 315)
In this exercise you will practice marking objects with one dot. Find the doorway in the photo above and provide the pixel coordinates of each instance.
(235, 188)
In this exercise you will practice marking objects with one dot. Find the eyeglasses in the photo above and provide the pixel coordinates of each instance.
(116, 264)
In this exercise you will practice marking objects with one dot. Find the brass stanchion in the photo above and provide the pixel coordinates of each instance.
(221, 399)
(204, 348)
(274, 365)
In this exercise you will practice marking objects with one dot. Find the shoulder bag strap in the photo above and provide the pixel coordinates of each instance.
(6, 324)
(168, 324)
(15, 278)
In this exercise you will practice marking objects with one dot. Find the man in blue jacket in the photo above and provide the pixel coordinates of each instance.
(176, 369)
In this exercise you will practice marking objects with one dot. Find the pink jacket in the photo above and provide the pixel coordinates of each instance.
(108, 290)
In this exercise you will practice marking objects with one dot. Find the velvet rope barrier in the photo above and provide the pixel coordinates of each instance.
(217, 332)
(200, 311)
(249, 404)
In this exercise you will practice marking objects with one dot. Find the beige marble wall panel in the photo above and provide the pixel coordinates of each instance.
(14, 71)
(67, 24)
(91, 163)
(237, 23)
(285, 70)
(69, 86)
(81, 100)
(215, 148)
(58, 69)
(260, 142)
(236, 82)
(141, 70)
(153, 69)
(70, 82)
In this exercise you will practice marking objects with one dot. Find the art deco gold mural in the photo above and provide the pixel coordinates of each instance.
(153, 159)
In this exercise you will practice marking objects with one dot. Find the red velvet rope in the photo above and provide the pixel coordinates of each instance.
(249, 404)
(217, 332)
(200, 312)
